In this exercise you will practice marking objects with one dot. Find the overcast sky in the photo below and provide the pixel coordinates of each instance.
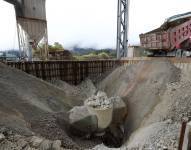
(92, 23)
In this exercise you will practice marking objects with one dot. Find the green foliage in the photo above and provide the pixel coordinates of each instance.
(55, 47)
(96, 54)
(103, 55)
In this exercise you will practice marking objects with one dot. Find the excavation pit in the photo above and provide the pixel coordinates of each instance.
(145, 88)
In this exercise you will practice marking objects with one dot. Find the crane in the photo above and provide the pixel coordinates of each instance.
(32, 26)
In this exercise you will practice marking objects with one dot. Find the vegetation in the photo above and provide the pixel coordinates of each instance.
(55, 47)
(93, 54)
(80, 53)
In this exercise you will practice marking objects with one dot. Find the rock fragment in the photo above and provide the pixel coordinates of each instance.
(81, 121)
(119, 110)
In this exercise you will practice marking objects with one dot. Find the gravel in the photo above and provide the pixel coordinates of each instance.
(140, 87)
(160, 128)
(18, 142)
(30, 106)
(82, 91)
(157, 95)
(175, 104)
(99, 101)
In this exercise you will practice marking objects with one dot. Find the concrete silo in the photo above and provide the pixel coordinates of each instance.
(32, 26)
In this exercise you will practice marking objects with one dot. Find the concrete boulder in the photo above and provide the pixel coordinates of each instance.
(119, 110)
(114, 136)
(81, 122)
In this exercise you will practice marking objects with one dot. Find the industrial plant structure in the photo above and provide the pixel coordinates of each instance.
(32, 27)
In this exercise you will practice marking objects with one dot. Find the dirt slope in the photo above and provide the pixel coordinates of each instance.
(26, 100)
(31, 106)
(140, 86)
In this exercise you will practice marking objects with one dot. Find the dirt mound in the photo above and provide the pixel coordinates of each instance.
(80, 92)
(174, 106)
(30, 106)
(160, 128)
(140, 86)
(27, 97)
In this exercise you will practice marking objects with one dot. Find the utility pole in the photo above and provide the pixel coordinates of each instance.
(122, 28)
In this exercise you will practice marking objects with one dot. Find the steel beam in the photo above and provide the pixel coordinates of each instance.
(122, 28)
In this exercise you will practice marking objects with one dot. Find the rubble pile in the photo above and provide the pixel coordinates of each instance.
(160, 128)
(148, 101)
(10, 141)
(99, 101)
(175, 104)
(30, 106)
(140, 86)
(156, 136)
(82, 91)
(98, 112)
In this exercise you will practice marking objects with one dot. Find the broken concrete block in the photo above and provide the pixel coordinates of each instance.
(119, 110)
(81, 121)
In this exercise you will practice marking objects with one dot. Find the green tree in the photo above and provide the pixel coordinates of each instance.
(55, 47)
(58, 46)
(103, 55)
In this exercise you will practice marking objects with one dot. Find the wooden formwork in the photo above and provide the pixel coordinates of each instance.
(70, 71)
(76, 71)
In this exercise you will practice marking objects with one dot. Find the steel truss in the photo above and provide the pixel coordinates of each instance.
(122, 28)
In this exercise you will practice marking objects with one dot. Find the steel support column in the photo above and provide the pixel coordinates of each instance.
(122, 28)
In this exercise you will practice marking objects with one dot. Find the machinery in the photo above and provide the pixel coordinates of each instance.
(172, 39)
(31, 27)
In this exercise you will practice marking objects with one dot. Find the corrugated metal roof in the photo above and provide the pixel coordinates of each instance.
(179, 16)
